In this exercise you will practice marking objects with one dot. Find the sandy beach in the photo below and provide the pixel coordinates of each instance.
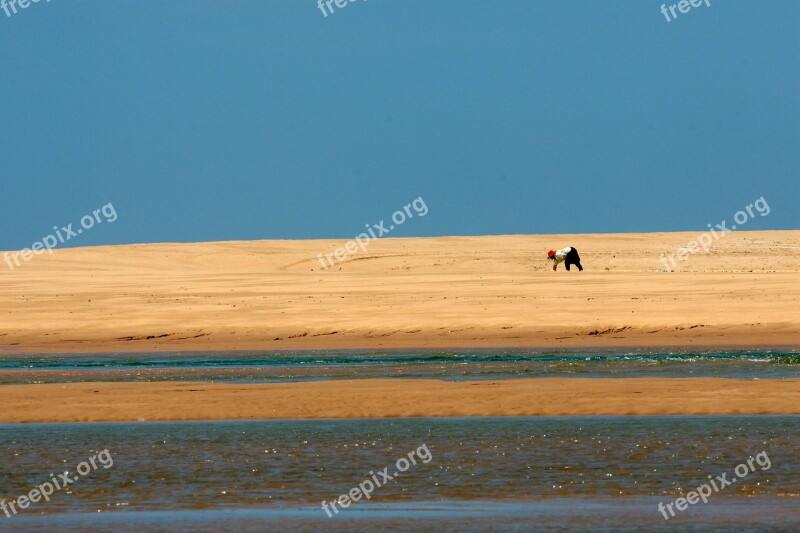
(381, 398)
(459, 292)
(482, 292)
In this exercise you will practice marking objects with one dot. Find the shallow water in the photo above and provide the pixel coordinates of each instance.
(599, 473)
(484, 474)
(271, 367)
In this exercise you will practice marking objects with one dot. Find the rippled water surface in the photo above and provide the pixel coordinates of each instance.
(599, 473)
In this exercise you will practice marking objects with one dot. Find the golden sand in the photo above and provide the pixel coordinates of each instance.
(403, 293)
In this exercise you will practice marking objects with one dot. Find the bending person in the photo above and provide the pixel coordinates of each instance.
(568, 256)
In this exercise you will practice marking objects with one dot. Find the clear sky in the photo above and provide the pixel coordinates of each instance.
(242, 119)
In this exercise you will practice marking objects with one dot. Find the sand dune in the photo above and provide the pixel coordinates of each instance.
(420, 292)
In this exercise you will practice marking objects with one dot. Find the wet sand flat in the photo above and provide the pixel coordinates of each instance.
(381, 398)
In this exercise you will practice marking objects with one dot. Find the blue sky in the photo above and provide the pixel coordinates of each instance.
(216, 120)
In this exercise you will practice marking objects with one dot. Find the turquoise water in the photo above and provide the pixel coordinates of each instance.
(501, 474)
(271, 367)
